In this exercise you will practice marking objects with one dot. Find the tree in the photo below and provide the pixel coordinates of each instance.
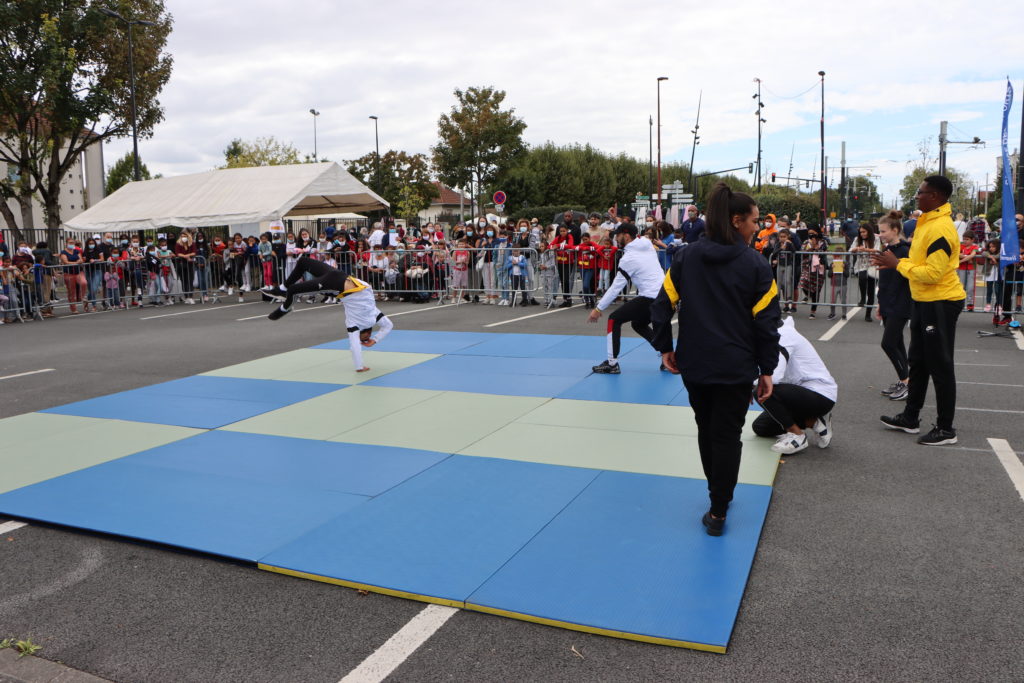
(64, 85)
(123, 172)
(268, 151)
(477, 139)
(404, 179)
(862, 196)
(961, 199)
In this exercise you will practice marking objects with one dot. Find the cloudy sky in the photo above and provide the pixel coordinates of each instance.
(585, 72)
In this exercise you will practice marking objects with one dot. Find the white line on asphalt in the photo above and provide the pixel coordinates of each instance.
(328, 307)
(834, 330)
(33, 372)
(989, 410)
(1019, 338)
(397, 649)
(200, 310)
(92, 559)
(1011, 463)
(8, 527)
(990, 384)
(533, 315)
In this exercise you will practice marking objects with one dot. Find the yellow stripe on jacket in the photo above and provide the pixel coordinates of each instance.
(934, 259)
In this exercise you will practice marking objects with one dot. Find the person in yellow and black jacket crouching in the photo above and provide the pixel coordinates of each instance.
(938, 297)
(729, 314)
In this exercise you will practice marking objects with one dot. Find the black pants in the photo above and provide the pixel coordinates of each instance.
(566, 274)
(867, 289)
(893, 345)
(185, 270)
(790, 405)
(719, 411)
(932, 336)
(324, 277)
(637, 312)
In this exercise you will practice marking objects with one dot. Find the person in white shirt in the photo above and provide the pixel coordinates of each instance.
(803, 396)
(357, 297)
(376, 237)
(639, 266)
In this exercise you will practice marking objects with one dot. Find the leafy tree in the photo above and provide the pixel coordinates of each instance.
(862, 197)
(123, 172)
(268, 151)
(477, 140)
(64, 85)
(404, 179)
(961, 199)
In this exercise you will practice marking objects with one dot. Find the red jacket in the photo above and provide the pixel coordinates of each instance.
(606, 258)
(564, 247)
(587, 254)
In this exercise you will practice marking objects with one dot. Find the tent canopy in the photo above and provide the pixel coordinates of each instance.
(229, 197)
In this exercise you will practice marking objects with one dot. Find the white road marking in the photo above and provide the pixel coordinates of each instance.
(1011, 463)
(1019, 338)
(397, 649)
(200, 310)
(533, 315)
(834, 330)
(983, 365)
(92, 558)
(988, 410)
(31, 372)
(8, 527)
(329, 306)
(990, 384)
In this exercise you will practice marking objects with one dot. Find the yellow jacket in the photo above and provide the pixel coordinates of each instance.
(934, 259)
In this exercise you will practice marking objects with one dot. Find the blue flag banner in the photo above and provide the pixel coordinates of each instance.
(1009, 250)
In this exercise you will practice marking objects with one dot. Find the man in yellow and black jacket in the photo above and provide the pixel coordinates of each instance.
(931, 269)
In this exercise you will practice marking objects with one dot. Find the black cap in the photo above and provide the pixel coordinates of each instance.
(626, 229)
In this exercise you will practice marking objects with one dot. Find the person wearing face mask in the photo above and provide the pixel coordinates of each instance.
(638, 266)
(486, 243)
(94, 257)
(202, 265)
(693, 226)
(728, 307)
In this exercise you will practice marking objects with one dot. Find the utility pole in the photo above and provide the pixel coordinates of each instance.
(660, 79)
(650, 157)
(760, 122)
(1020, 166)
(790, 174)
(693, 150)
(843, 181)
(824, 189)
(943, 129)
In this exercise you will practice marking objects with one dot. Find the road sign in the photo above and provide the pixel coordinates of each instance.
(499, 197)
(499, 207)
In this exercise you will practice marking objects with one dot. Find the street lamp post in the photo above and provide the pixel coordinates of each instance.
(650, 158)
(315, 114)
(760, 121)
(824, 188)
(376, 140)
(131, 82)
(693, 150)
(660, 79)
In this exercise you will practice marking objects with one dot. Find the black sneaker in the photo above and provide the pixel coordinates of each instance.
(606, 368)
(714, 527)
(270, 298)
(831, 316)
(901, 393)
(902, 423)
(278, 313)
(938, 437)
(892, 388)
(565, 304)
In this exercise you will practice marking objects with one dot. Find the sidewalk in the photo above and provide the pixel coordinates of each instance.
(31, 669)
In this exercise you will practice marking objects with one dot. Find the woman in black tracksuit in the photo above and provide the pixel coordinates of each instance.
(894, 304)
(729, 314)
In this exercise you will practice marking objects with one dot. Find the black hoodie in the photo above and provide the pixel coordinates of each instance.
(728, 313)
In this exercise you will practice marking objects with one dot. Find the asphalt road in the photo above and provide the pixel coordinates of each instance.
(879, 560)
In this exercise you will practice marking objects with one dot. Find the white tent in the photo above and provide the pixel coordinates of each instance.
(229, 197)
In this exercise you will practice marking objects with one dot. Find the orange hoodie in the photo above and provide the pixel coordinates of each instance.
(766, 233)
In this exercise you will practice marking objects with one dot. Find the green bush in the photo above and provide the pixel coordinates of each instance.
(788, 205)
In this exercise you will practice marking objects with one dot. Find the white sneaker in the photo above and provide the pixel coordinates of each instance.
(231, 290)
(788, 443)
(223, 288)
(503, 302)
(241, 299)
(244, 288)
(823, 430)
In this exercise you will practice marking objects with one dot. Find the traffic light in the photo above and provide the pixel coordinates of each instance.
(855, 197)
(750, 168)
(773, 177)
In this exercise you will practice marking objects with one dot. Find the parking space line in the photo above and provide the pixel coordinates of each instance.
(834, 330)
(8, 527)
(398, 647)
(199, 310)
(1011, 463)
(992, 384)
(31, 372)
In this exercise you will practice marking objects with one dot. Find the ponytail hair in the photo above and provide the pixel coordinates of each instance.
(723, 204)
(894, 219)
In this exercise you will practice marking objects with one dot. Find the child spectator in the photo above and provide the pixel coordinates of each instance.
(605, 264)
(894, 304)
(586, 259)
(564, 247)
(968, 252)
(867, 274)
(517, 275)
(993, 276)
(548, 272)
(266, 252)
(813, 270)
(112, 281)
(460, 270)
(787, 273)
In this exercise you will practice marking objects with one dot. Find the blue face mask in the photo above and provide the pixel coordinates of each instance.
(523, 229)
(490, 233)
(469, 232)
